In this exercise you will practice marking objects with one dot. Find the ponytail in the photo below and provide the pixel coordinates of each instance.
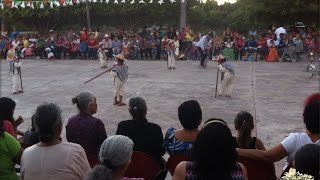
(244, 135)
(137, 108)
(100, 172)
(244, 124)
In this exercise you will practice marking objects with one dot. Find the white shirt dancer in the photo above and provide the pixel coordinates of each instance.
(15, 71)
(227, 76)
(102, 56)
(171, 51)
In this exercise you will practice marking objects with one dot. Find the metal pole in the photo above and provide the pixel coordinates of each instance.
(217, 81)
(19, 71)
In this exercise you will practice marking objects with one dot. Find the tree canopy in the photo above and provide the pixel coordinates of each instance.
(242, 15)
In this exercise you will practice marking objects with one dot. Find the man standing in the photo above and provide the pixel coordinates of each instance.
(120, 74)
(280, 30)
(227, 76)
(107, 46)
(202, 45)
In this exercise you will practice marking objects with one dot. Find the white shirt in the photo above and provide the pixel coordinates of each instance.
(280, 30)
(15, 44)
(67, 161)
(294, 142)
(203, 42)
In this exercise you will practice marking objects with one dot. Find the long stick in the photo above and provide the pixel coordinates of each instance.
(98, 75)
(19, 70)
(215, 95)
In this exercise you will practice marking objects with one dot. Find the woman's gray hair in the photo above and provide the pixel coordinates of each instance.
(115, 151)
(83, 100)
(46, 119)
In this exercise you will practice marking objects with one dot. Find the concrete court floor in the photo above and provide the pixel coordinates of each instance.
(272, 92)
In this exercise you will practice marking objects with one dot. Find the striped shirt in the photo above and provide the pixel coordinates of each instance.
(174, 146)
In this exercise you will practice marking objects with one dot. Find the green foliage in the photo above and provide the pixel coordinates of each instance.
(242, 15)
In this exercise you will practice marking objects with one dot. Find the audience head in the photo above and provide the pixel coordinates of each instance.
(7, 107)
(214, 151)
(190, 114)
(312, 98)
(115, 157)
(48, 122)
(311, 114)
(138, 108)
(243, 123)
(307, 160)
(86, 102)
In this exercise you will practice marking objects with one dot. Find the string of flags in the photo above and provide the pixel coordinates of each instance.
(63, 3)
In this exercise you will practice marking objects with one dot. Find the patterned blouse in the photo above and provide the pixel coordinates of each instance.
(236, 174)
(174, 146)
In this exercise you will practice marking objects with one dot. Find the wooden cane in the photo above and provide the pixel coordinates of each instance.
(215, 95)
(19, 70)
(99, 75)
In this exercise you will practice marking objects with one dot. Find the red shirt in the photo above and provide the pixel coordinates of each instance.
(8, 127)
(92, 43)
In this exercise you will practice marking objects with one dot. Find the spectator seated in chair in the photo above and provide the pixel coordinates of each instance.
(10, 155)
(84, 129)
(51, 158)
(147, 136)
(251, 49)
(306, 160)
(243, 123)
(115, 157)
(181, 140)
(290, 145)
(214, 155)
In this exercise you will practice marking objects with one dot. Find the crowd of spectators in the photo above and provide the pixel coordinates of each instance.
(212, 149)
(276, 44)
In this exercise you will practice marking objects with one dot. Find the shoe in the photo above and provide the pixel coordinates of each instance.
(120, 103)
(174, 68)
(228, 96)
(15, 93)
(115, 101)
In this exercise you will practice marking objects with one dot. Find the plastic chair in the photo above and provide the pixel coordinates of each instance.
(93, 159)
(144, 166)
(174, 160)
(259, 169)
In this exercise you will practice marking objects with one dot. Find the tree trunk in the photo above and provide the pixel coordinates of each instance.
(3, 22)
(183, 14)
(88, 14)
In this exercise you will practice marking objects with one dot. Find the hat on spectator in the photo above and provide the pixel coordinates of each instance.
(115, 151)
(106, 35)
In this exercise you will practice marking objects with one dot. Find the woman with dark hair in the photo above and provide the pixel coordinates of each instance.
(31, 137)
(83, 128)
(214, 156)
(115, 157)
(147, 137)
(51, 158)
(10, 148)
(306, 160)
(7, 122)
(243, 123)
(291, 144)
(181, 140)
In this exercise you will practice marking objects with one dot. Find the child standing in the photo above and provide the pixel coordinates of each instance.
(120, 74)
(243, 123)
